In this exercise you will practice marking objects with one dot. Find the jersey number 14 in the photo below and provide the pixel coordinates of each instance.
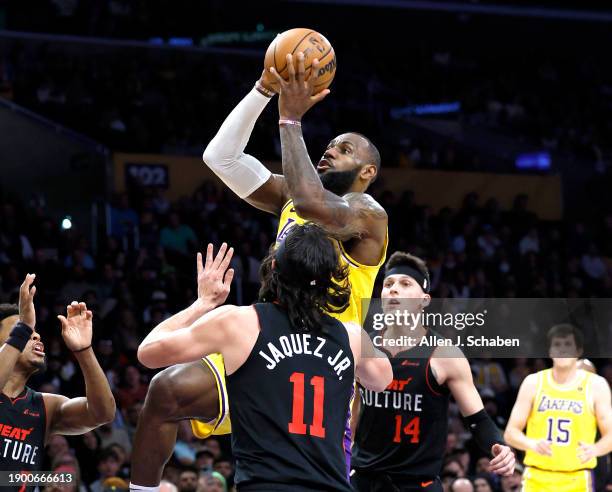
(412, 429)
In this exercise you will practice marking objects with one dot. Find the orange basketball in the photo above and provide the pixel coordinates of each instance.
(312, 44)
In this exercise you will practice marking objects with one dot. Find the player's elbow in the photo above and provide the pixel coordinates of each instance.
(217, 156)
(386, 376)
(509, 436)
(382, 376)
(210, 155)
(106, 413)
(147, 355)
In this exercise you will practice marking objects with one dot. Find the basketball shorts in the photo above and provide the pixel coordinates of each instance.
(537, 480)
(221, 424)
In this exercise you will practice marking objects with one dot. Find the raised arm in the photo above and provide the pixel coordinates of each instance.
(372, 367)
(353, 215)
(244, 174)
(199, 329)
(21, 333)
(82, 414)
(214, 281)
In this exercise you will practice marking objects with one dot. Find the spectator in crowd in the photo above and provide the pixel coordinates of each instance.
(108, 466)
(188, 479)
(212, 482)
(461, 485)
(482, 483)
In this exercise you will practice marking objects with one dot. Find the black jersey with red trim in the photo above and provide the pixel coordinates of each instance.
(402, 430)
(22, 432)
(289, 405)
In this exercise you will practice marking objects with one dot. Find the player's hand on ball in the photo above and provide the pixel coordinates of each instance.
(586, 452)
(214, 277)
(297, 93)
(268, 81)
(503, 461)
(77, 326)
(27, 314)
(542, 447)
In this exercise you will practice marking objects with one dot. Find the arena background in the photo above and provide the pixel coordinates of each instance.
(492, 118)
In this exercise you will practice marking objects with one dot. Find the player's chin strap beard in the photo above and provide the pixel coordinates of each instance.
(339, 182)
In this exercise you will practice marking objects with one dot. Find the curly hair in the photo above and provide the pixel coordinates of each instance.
(305, 277)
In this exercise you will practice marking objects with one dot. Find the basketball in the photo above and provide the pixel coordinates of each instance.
(312, 44)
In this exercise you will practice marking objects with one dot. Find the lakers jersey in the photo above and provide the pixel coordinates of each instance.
(361, 277)
(562, 415)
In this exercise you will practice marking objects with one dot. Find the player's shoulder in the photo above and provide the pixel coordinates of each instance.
(598, 383)
(449, 355)
(366, 202)
(531, 380)
(52, 402)
(352, 328)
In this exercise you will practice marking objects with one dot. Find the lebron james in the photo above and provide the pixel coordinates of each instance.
(332, 195)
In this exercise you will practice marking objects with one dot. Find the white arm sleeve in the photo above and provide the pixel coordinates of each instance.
(225, 156)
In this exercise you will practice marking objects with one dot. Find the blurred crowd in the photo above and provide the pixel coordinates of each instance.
(543, 89)
(145, 271)
(540, 90)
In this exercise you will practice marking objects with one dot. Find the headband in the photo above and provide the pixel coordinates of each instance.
(417, 275)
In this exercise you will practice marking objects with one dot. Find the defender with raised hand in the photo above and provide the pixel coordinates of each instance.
(333, 195)
(28, 418)
(289, 366)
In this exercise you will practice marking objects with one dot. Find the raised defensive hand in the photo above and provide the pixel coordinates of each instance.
(214, 277)
(27, 314)
(77, 327)
(297, 94)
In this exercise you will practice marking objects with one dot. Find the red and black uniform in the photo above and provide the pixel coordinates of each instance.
(401, 436)
(289, 404)
(22, 433)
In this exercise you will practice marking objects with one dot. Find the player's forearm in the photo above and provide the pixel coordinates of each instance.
(517, 439)
(225, 156)
(8, 359)
(100, 401)
(304, 185)
(182, 319)
(604, 445)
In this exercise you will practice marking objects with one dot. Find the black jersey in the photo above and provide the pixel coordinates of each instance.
(289, 406)
(22, 432)
(402, 430)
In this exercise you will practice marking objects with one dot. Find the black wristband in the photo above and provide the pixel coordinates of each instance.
(20, 336)
(484, 430)
(81, 350)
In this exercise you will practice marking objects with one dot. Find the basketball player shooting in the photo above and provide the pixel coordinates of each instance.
(28, 418)
(333, 195)
(288, 433)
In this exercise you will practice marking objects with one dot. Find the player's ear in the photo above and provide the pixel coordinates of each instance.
(368, 171)
(273, 263)
(426, 300)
